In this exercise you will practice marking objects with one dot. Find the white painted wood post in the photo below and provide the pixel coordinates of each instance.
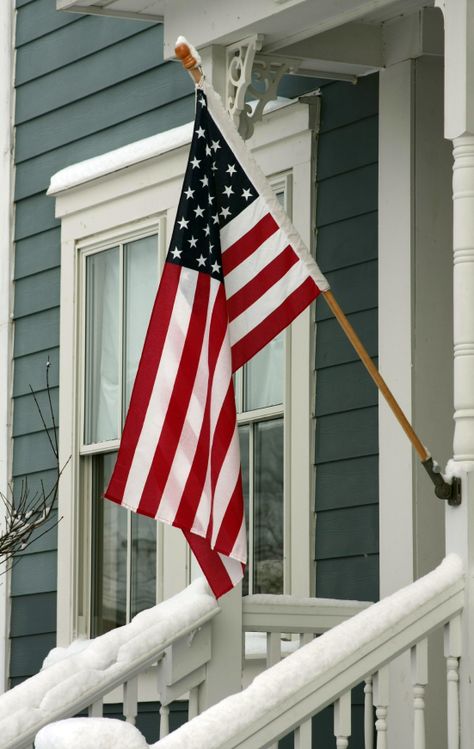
(419, 670)
(452, 652)
(381, 680)
(459, 128)
(164, 721)
(193, 704)
(368, 714)
(130, 700)
(96, 710)
(223, 672)
(342, 720)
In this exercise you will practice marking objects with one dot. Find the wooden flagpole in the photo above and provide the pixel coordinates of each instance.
(375, 374)
(443, 490)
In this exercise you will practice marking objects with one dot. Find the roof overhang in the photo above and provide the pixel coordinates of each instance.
(344, 36)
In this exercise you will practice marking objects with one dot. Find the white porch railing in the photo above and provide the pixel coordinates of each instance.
(178, 628)
(323, 672)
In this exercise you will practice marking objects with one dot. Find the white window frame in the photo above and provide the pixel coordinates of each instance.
(96, 205)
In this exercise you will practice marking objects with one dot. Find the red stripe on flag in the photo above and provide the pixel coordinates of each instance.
(195, 483)
(274, 323)
(145, 378)
(248, 243)
(178, 404)
(232, 521)
(211, 564)
(273, 272)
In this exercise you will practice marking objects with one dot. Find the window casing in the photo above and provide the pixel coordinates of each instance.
(118, 285)
(121, 207)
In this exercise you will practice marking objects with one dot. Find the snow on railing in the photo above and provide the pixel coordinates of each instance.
(323, 672)
(79, 677)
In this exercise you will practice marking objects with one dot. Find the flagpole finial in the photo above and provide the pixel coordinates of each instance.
(188, 60)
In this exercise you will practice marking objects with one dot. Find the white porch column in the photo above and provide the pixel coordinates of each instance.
(415, 345)
(459, 127)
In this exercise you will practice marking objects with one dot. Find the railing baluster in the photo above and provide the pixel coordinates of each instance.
(193, 705)
(368, 714)
(302, 736)
(381, 706)
(164, 721)
(452, 652)
(342, 720)
(419, 672)
(130, 700)
(273, 657)
(96, 709)
(273, 648)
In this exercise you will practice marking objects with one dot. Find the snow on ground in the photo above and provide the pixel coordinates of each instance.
(70, 674)
(91, 733)
(271, 689)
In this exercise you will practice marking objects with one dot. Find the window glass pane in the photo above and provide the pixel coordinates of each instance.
(113, 537)
(109, 563)
(141, 280)
(268, 507)
(143, 582)
(244, 462)
(102, 397)
(264, 376)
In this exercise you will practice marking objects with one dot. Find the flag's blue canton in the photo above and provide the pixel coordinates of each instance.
(215, 190)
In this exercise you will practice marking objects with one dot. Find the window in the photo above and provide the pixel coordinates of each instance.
(118, 287)
(115, 228)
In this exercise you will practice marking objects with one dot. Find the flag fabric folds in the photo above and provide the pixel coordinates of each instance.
(236, 274)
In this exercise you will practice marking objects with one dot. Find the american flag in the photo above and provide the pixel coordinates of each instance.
(235, 275)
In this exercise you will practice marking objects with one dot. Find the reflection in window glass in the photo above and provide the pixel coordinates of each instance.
(268, 507)
(109, 588)
(143, 563)
(264, 376)
(102, 397)
(123, 541)
(141, 272)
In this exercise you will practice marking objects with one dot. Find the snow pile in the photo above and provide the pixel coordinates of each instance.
(269, 691)
(93, 733)
(70, 675)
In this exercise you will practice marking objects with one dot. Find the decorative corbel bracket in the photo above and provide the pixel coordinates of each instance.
(253, 74)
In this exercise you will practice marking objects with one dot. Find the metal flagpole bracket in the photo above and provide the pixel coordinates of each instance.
(443, 490)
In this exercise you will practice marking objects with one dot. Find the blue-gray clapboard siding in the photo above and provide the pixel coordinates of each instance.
(84, 85)
(346, 400)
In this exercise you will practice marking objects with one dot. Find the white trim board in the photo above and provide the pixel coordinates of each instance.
(7, 20)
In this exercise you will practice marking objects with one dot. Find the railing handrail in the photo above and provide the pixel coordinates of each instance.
(275, 613)
(128, 663)
(315, 676)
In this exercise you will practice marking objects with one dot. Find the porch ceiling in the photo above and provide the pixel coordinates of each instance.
(348, 31)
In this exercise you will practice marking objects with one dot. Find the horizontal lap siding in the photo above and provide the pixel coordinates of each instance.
(346, 399)
(84, 85)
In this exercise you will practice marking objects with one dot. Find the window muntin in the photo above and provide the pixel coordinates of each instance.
(119, 288)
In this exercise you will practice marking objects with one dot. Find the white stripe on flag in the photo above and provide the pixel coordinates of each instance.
(239, 550)
(267, 303)
(222, 377)
(189, 438)
(162, 390)
(248, 269)
(233, 569)
(242, 223)
(225, 485)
